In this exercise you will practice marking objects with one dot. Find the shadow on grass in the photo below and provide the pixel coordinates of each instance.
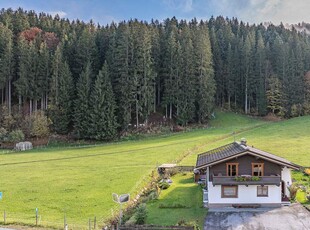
(187, 180)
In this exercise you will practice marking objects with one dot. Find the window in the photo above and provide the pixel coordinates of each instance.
(232, 169)
(257, 169)
(229, 191)
(262, 190)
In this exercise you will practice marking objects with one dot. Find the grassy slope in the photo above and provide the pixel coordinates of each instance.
(182, 192)
(289, 139)
(80, 181)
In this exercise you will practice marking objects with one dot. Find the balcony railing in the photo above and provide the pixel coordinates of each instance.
(231, 180)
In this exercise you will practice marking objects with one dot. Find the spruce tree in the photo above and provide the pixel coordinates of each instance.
(103, 125)
(81, 103)
(6, 65)
(187, 89)
(204, 74)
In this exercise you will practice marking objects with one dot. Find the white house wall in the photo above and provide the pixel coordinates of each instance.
(245, 195)
(286, 177)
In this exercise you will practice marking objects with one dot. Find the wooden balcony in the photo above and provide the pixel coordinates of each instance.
(231, 180)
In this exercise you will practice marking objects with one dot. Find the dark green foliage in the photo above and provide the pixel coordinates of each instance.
(179, 69)
(60, 107)
(102, 108)
(163, 185)
(141, 214)
(16, 136)
(81, 103)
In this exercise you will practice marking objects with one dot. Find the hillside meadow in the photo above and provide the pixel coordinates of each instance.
(78, 182)
(289, 139)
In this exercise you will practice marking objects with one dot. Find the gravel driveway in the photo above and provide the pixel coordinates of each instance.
(284, 218)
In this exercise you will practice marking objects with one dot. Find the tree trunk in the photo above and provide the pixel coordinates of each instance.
(35, 105)
(46, 101)
(19, 103)
(9, 97)
(158, 93)
(30, 107)
(137, 111)
(170, 111)
(42, 101)
(154, 108)
(249, 108)
(246, 97)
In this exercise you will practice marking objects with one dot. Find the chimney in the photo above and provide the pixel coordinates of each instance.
(243, 141)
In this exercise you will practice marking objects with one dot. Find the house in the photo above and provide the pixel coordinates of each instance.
(240, 175)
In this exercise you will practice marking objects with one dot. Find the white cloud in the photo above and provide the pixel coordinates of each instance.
(183, 5)
(257, 11)
(276, 11)
(61, 14)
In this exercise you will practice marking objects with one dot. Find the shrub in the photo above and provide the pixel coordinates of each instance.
(3, 134)
(163, 185)
(293, 191)
(16, 136)
(141, 214)
(36, 125)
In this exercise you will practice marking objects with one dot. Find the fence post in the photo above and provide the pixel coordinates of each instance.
(95, 223)
(89, 224)
(36, 216)
(65, 222)
(4, 217)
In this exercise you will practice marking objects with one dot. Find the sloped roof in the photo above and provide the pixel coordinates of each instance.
(235, 149)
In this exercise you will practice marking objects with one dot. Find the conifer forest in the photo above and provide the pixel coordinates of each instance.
(96, 81)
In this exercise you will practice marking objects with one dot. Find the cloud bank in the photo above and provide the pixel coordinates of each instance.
(61, 14)
(256, 11)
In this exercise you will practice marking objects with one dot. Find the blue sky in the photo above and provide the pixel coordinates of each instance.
(106, 11)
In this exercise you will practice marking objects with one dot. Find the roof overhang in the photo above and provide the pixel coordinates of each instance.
(282, 163)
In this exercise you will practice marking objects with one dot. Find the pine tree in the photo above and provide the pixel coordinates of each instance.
(274, 96)
(6, 65)
(171, 74)
(103, 124)
(187, 89)
(118, 61)
(204, 74)
(246, 55)
(43, 75)
(61, 96)
(260, 74)
(81, 105)
(142, 72)
(24, 62)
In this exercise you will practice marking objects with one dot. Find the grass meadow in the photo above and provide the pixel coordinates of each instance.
(79, 182)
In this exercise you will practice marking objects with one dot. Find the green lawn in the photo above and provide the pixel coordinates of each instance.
(289, 139)
(181, 201)
(78, 182)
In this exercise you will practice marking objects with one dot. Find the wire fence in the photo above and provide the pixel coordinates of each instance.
(63, 222)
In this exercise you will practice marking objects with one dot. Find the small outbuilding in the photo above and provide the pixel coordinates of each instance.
(162, 169)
